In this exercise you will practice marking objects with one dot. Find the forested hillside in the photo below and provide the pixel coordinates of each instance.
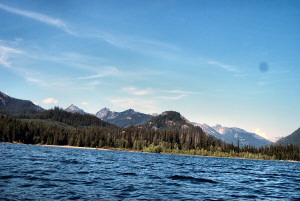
(176, 141)
(17, 107)
(168, 120)
(74, 119)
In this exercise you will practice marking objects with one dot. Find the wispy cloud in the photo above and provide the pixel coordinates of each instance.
(221, 65)
(263, 83)
(59, 84)
(132, 42)
(6, 53)
(137, 44)
(173, 97)
(135, 91)
(39, 17)
(139, 104)
(139, 92)
(182, 92)
(108, 71)
(50, 101)
(85, 103)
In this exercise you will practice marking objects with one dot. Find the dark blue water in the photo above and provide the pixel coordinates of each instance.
(54, 173)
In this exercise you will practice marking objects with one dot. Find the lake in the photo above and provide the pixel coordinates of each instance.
(56, 173)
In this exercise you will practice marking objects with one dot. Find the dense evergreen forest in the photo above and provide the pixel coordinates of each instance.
(73, 119)
(87, 131)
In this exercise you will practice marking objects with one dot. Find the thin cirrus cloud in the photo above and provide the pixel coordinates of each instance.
(109, 71)
(173, 97)
(221, 65)
(135, 91)
(180, 95)
(182, 92)
(168, 94)
(39, 17)
(6, 53)
(142, 105)
(146, 46)
(50, 101)
(132, 43)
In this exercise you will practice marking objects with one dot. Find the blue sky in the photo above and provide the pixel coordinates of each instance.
(234, 63)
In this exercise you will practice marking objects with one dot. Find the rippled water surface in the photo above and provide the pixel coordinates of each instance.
(54, 173)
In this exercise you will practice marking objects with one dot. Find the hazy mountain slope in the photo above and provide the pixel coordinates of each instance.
(293, 138)
(13, 106)
(211, 131)
(233, 135)
(123, 119)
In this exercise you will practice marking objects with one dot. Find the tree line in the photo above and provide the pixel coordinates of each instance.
(192, 141)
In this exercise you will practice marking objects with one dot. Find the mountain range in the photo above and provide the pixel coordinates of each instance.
(235, 135)
(166, 120)
(123, 119)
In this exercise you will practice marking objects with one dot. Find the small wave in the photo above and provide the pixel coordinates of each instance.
(296, 180)
(30, 171)
(173, 184)
(82, 172)
(26, 185)
(129, 174)
(74, 198)
(244, 196)
(89, 183)
(258, 180)
(6, 177)
(192, 179)
(129, 189)
(154, 177)
(69, 161)
(47, 186)
(272, 175)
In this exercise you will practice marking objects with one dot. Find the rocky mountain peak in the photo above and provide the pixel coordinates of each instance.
(104, 112)
(74, 109)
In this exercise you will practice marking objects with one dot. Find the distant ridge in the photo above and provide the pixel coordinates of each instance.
(14, 106)
(123, 119)
(293, 138)
(235, 135)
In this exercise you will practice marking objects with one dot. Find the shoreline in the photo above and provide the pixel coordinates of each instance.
(116, 149)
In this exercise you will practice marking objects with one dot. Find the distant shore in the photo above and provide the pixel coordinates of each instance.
(117, 149)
